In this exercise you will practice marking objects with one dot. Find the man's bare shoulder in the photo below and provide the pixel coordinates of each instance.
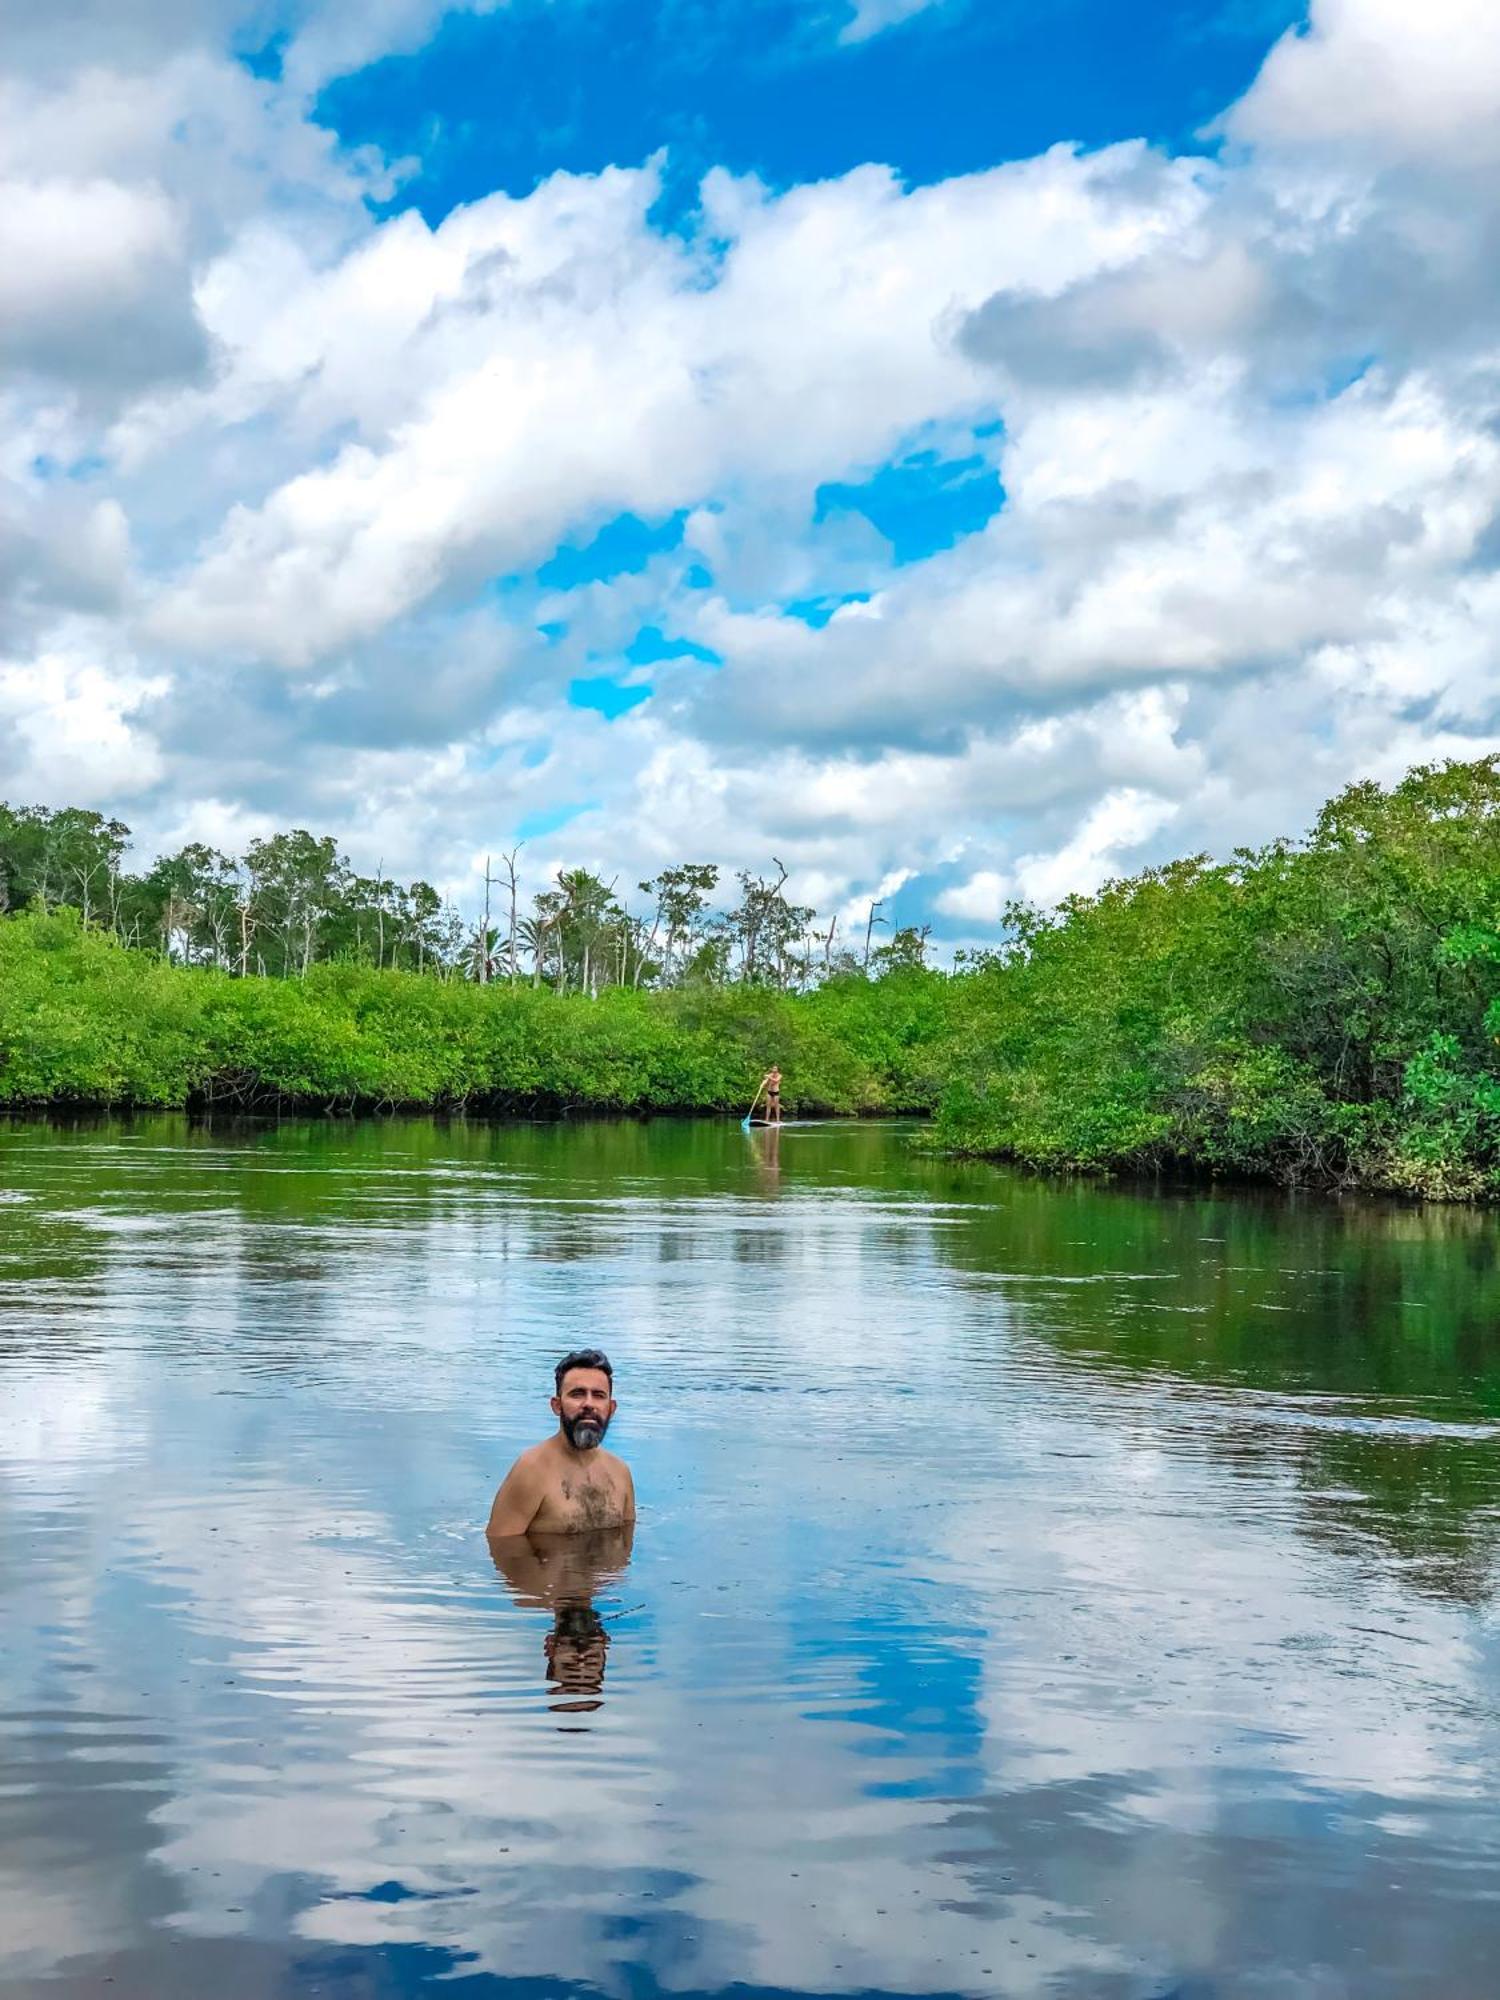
(521, 1492)
(535, 1457)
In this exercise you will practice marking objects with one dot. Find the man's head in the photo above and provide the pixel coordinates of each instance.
(585, 1399)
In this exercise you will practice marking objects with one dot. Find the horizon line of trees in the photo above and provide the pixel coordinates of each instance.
(1322, 1011)
(293, 900)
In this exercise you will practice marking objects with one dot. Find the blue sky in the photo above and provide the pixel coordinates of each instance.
(499, 100)
(965, 451)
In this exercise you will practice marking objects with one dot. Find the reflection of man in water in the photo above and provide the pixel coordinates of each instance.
(767, 1151)
(569, 1485)
(563, 1574)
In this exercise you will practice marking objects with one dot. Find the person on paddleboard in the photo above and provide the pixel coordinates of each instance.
(770, 1083)
(569, 1485)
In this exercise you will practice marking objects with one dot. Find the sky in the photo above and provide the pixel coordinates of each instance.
(963, 450)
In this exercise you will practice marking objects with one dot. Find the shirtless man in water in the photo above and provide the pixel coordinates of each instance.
(569, 1485)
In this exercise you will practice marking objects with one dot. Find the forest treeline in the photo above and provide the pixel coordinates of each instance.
(292, 901)
(1316, 1012)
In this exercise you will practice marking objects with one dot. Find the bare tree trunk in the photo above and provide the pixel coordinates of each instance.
(510, 949)
(644, 948)
(484, 929)
(869, 927)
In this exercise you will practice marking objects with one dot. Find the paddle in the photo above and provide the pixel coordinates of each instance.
(745, 1121)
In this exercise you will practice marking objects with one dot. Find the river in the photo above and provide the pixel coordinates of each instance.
(1039, 1588)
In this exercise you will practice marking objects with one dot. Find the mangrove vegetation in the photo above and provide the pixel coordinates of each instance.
(1323, 1011)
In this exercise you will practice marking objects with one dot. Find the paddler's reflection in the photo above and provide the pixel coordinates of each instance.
(563, 1574)
(767, 1148)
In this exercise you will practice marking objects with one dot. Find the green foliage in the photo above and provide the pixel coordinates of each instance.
(84, 1021)
(1324, 1013)
(1321, 1013)
(66, 856)
(87, 1020)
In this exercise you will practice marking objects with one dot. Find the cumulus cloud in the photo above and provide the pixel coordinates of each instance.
(68, 722)
(533, 364)
(1404, 82)
(94, 286)
(1245, 412)
(981, 900)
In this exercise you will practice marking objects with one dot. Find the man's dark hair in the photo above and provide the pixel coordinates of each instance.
(583, 1357)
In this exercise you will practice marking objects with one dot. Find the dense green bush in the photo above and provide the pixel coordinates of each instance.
(1323, 1013)
(85, 1020)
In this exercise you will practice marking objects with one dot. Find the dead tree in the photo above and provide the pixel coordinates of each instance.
(869, 927)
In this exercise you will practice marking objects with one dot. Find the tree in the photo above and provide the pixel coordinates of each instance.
(767, 928)
(871, 921)
(906, 951)
(589, 910)
(681, 898)
(67, 855)
(297, 883)
(196, 899)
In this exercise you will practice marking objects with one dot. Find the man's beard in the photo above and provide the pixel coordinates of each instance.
(584, 1432)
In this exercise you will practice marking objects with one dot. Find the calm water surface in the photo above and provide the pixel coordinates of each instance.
(1038, 1589)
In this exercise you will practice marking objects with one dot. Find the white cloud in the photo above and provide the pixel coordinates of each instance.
(1249, 450)
(534, 363)
(344, 35)
(76, 247)
(1115, 829)
(94, 284)
(68, 726)
(1407, 82)
(980, 900)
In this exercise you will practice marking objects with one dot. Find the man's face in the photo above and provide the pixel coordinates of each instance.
(584, 1407)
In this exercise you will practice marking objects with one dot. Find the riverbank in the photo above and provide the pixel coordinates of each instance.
(1325, 1014)
(1321, 1014)
(85, 1021)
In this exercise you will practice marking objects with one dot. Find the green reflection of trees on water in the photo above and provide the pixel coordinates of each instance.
(1334, 1298)
(1339, 1340)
